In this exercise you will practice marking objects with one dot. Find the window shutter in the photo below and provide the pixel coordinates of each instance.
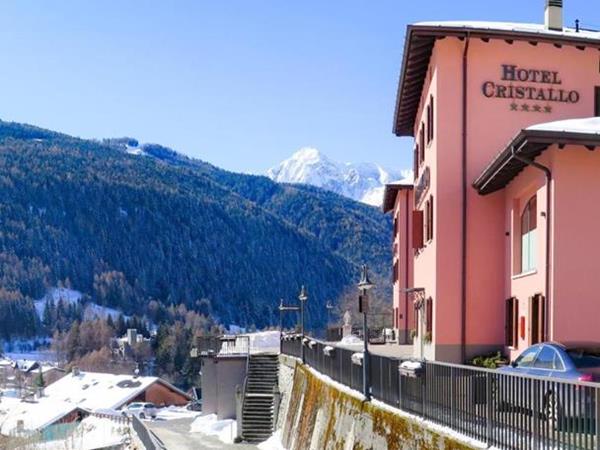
(508, 323)
(541, 317)
(431, 126)
(431, 218)
(417, 229)
(516, 322)
(429, 316)
(416, 161)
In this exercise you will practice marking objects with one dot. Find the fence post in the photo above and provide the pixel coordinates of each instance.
(452, 398)
(489, 409)
(536, 412)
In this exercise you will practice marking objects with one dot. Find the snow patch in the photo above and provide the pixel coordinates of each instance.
(225, 430)
(589, 125)
(273, 443)
(351, 340)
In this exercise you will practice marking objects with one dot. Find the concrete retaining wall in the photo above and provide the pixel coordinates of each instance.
(317, 414)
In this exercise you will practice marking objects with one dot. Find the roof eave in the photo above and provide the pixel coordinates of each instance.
(405, 127)
(527, 138)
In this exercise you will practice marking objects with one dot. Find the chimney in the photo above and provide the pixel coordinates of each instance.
(553, 17)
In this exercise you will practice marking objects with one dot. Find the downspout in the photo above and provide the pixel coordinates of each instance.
(463, 306)
(406, 268)
(548, 174)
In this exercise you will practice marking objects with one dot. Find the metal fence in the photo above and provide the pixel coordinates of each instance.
(504, 410)
(148, 440)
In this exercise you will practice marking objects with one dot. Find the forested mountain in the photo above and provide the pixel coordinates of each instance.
(127, 228)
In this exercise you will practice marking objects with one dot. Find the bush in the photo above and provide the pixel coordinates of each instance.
(489, 361)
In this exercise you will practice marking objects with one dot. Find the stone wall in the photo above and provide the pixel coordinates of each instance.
(318, 414)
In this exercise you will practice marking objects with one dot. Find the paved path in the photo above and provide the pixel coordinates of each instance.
(175, 434)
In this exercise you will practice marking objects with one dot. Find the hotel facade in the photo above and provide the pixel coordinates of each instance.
(496, 241)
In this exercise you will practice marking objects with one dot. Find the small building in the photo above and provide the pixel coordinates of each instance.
(78, 392)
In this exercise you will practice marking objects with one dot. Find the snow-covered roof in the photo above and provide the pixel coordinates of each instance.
(33, 415)
(588, 125)
(86, 390)
(421, 37)
(516, 27)
(529, 143)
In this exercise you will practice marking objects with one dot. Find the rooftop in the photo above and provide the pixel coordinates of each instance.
(389, 194)
(529, 143)
(421, 37)
(86, 390)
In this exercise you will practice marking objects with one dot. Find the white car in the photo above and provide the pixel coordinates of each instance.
(142, 410)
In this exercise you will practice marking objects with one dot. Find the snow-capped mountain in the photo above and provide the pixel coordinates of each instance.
(364, 182)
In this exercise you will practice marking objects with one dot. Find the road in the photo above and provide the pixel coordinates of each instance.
(175, 434)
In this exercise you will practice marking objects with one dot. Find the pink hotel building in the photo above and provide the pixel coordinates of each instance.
(497, 242)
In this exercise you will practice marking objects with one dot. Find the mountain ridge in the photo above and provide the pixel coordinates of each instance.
(170, 228)
(363, 182)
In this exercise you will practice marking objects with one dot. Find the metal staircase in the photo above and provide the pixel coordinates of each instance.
(258, 408)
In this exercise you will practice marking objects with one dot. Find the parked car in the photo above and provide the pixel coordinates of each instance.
(559, 401)
(143, 410)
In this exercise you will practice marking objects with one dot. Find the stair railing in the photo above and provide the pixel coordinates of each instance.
(245, 385)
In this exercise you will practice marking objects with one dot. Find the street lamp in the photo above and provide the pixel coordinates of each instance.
(303, 296)
(282, 309)
(364, 285)
(329, 307)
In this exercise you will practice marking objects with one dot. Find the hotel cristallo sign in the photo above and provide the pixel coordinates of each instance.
(530, 90)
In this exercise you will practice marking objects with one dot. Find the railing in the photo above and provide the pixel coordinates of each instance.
(500, 409)
(145, 436)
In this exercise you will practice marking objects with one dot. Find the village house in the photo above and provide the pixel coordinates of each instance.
(494, 242)
(79, 393)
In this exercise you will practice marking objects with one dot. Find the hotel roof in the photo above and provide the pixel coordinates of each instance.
(421, 37)
(529, 143)
(390, 191)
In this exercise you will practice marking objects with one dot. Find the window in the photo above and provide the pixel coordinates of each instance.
(511, 321)
(416, 161)
(417, 229)
(395, 274)
(426, 222)
(429, 234)
(546, 359)
(597, 101)
(422, 144)
(428, 124)
(537, 316)
(416, 320)
(528, 235)
(431, 120)
(429, 316)
(527, 357)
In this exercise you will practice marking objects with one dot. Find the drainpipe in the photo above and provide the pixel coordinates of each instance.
(463, 281)
(406, 259)
(548, 174)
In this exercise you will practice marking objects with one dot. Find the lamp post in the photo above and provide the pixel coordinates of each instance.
(303, 296)
(329, 307)
(364, 285)
(282, 309)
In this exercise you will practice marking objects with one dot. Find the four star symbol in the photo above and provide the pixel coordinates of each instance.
(526, 107)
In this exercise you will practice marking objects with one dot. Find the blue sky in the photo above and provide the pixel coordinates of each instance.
(241, 84)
